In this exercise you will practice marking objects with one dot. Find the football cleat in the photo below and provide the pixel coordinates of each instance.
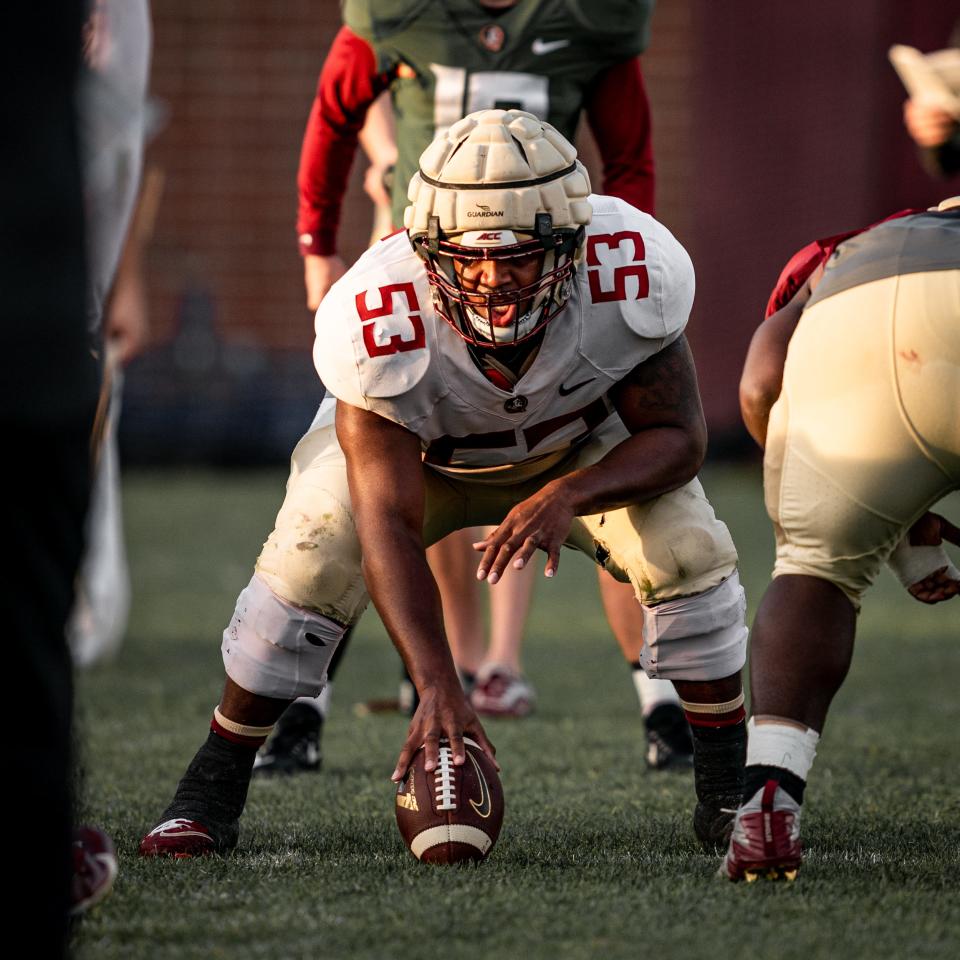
(183, 837)
(94, 868)
(204, 815)
(501, 692)
(766, 838)
(669, 743)
(294, 746)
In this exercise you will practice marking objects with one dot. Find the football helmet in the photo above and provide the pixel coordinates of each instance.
(500, 187)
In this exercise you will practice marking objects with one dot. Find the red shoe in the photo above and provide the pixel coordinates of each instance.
(94, 868)
(766, 838)
(179, 838)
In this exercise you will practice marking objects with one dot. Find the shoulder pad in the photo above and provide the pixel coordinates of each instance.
(626, 20)
(371, 337)
(379, 19)
(634, 262)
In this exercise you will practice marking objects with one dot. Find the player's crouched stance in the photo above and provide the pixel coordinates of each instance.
(862, 441)
(522, 364)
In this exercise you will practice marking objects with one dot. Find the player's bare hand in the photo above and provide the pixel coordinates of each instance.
(319, 275)
(928, 123)
(443, 713)
(935, 587)
(541, 522)
(126, 327)
(943, 583)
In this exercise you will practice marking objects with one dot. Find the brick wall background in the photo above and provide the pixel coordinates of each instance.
(773, 124)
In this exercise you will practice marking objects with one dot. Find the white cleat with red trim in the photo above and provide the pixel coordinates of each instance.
(766, 838)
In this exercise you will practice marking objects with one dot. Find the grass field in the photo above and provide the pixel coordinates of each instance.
(596, 859)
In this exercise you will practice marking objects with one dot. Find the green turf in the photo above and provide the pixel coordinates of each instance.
(596, 858)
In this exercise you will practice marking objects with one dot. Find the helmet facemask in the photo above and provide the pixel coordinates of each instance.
(454, 271)
(498, 211)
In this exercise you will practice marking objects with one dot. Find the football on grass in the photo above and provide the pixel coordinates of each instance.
(453, 813)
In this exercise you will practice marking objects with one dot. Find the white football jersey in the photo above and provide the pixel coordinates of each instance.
(382, 346)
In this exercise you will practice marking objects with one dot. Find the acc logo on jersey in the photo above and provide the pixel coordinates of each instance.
(369, 315)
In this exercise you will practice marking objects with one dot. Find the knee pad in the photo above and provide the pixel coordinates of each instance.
(312, 556)
(276, 649)
(683, 549)
(703, 637)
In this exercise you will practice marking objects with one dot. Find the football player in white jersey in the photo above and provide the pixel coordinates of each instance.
(515, 357)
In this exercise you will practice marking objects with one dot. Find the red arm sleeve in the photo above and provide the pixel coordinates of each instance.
(348, 84)
(808, 258)
(623, 135)
(796, 270)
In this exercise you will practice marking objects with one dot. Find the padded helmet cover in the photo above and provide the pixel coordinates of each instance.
(499, 170)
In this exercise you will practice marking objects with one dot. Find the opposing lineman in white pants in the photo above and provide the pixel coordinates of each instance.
(862, 441)
(515, 358)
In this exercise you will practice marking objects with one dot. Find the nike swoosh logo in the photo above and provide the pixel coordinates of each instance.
(484, 807)
(177, 828)
(540, 47)
(314, 639)
(566, 391)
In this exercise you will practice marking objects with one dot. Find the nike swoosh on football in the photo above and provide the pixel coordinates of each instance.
(566, 391)
(540, 47)
(484, 807)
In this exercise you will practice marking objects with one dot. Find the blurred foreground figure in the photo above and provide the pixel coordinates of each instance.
(113, 89)
(862, 440)
(48, 392)
(514, 357)
(116, 58)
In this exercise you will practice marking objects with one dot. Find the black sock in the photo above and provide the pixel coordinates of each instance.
(666, 715)
(299, 716)
(756, 775)
(719, 755)
(215, 784)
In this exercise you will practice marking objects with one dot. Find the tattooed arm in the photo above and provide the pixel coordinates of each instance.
(659, 404)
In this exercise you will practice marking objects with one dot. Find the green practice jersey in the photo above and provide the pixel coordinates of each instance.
(452, 57)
